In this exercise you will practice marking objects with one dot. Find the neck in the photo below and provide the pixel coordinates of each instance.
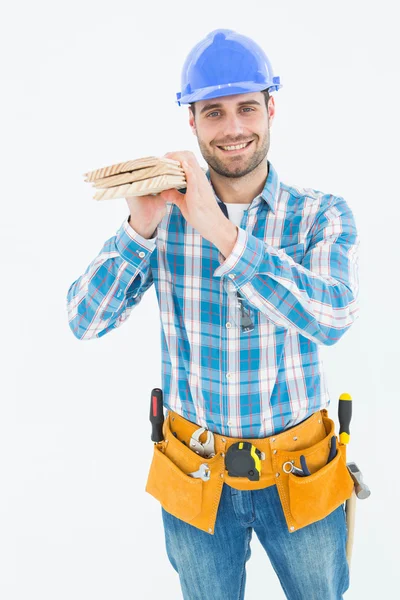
(240, 190)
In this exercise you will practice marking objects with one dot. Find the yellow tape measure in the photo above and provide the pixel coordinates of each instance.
(243, 460)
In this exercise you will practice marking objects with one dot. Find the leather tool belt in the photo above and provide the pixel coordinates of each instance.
(304, 499)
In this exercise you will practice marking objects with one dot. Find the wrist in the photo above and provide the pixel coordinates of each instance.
(146, 233)
(225, 237)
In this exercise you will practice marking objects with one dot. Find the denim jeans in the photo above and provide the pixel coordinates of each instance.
(310, 563)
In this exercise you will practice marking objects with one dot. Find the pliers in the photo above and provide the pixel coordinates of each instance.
(305, 471)
(205, 449)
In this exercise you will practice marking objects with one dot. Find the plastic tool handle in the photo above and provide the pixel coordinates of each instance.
(345, 408)
(156, 415)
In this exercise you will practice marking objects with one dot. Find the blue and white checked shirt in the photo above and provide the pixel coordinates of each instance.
(295, 266)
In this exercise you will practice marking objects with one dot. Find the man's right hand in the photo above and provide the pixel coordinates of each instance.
(146, 213)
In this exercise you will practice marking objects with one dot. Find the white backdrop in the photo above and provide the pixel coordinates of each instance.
(88, 84)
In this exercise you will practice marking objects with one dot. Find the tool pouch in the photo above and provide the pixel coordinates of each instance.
(190, 499)
(311, 498)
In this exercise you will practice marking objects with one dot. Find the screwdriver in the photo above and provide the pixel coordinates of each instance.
(345, 410)
(156, 415)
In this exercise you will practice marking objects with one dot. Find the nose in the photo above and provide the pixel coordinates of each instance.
(233, 127)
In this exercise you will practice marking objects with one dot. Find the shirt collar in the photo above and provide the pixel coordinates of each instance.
(271, 187)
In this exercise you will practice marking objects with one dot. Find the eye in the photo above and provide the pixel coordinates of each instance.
(217, 111)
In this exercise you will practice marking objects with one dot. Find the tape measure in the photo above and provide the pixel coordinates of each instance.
(243, 460)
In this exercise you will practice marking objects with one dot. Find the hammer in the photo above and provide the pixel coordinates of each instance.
(361, 489)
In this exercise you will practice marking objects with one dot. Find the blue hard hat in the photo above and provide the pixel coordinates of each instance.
(223, 64)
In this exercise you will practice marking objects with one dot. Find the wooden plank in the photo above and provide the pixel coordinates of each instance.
(138, 175)
(130, 165)
(145, 187)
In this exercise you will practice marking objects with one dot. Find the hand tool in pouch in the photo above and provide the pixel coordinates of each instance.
(206, 448)
(156, 415)
(305, 471)
(203, 472)
(244, 460)
(345, 413)
(360, 490)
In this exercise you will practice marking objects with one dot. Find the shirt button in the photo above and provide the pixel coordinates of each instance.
(141, 254)
(231, 275)
(229, 423)
(228, 325)
(228, 375)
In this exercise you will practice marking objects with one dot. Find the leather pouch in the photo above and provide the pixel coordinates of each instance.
(180, 494)
(190, 499)
(311, 498)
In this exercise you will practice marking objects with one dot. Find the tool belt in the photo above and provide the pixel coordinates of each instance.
(304, 499)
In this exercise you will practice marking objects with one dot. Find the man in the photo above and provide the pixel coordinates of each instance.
(252, 275)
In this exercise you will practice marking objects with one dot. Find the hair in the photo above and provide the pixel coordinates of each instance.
(266, 98)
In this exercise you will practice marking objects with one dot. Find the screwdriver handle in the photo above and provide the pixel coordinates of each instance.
(345, 412)
(156, 415)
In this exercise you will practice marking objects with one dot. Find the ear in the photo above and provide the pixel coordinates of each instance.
(192, 122)
(271, 109)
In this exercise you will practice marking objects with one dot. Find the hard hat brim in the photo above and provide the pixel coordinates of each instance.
(228, 89)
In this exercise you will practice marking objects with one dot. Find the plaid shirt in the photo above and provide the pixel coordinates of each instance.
(240, 335)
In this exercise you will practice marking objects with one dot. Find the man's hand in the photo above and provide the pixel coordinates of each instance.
(198, 206)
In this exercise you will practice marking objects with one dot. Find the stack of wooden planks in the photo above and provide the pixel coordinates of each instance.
(139, 177)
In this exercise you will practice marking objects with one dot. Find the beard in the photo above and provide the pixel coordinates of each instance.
(237, 166)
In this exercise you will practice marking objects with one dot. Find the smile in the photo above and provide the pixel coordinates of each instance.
(235, 149)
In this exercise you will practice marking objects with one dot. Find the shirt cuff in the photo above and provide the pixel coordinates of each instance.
(133, 247)
(244, 260)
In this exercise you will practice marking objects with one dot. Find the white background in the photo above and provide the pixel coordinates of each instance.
(90, 84)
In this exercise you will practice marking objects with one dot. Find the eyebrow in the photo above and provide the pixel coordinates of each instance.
(219, 105)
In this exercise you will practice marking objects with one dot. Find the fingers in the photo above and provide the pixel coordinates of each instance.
(184, 155)
(172, 196)
(190, 174)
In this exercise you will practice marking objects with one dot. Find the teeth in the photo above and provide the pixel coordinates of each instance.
(234, 147)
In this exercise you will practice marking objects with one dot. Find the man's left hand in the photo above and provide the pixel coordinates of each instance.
(198, 206)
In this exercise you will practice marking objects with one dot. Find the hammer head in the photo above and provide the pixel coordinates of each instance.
(362, 490)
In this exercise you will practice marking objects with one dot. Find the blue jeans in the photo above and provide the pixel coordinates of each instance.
(311, 563)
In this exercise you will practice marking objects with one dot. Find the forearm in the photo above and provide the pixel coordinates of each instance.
(114, 282)
(318, 298)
